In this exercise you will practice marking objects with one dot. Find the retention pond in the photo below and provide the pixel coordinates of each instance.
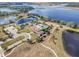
(71, 42)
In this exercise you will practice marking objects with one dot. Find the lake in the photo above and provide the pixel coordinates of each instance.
(7, 10)
(57, 12)
(5, 20)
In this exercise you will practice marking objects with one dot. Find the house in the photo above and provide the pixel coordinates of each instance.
(16, 38)
(11, 31)
(38, 28)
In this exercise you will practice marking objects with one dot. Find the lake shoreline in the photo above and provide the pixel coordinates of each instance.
(72, 8)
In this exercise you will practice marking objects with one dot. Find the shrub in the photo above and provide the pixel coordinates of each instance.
(39, 39)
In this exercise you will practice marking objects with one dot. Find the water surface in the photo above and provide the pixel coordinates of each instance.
(6, 20)
(57, 12)
(71, 43)
(7, 10)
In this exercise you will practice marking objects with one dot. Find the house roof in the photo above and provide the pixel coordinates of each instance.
(11, 29)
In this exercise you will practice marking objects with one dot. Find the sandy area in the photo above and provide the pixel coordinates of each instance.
(29, 50)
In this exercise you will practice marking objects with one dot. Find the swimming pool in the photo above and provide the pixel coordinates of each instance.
(24, 20)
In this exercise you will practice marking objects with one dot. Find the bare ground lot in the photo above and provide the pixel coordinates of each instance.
(28, 50)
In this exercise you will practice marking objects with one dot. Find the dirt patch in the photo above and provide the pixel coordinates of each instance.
(28, 50)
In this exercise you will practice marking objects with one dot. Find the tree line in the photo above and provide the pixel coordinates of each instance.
(70, 24)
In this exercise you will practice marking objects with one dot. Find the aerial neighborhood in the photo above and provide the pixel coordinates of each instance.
(39, 29)
(26, 29)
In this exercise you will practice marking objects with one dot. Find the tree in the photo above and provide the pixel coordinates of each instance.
(42, 17)
(29, 41)
(22, 26)
(18, 27)
(72, 24)
(25, 9)
(3, 38)
(33, 21)
(39, 39)
(57, 21)
(62, 22)
(48, 32)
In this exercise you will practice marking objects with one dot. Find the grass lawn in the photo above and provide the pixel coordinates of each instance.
(25, 30)
(4, 37)
(34, 36)
(76, 30)
(12, 41)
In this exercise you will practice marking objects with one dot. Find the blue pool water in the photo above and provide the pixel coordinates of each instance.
(24, 20)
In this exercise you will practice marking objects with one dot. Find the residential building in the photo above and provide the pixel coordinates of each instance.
(11, 31)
